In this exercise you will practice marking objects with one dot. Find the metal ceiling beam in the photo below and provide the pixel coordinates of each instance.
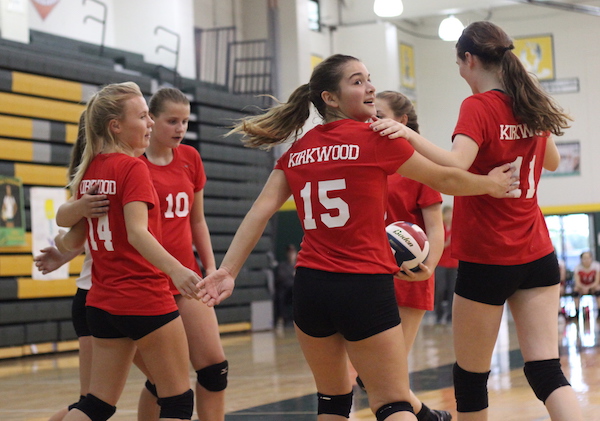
(588, 10)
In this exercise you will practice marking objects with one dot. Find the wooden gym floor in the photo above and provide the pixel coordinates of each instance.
(269, 379)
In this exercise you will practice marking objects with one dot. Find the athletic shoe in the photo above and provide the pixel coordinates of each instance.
(441, 415)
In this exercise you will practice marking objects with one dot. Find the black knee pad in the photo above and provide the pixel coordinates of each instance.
(96, 409)
(81, 397)
(470, 390)
(151, 388)
(545, 377)
(179, 407)
(391, 408)
(214, 377)
(335, 405)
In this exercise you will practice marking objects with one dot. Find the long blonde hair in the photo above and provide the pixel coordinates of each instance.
(287, 119)
(106, 105)
(531, 105)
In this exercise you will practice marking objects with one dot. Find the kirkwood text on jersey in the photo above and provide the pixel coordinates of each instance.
(104, 186)
(324, 154)
(517, 132)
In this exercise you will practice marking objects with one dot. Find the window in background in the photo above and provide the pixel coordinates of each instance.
(571, 236)
(314, 15)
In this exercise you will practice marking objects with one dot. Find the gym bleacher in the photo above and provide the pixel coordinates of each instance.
(44, 86)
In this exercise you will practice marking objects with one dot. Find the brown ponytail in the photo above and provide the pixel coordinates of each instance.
(531, 104)
(286, 120)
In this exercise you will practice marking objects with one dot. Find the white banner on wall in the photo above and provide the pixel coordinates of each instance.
(45, 202)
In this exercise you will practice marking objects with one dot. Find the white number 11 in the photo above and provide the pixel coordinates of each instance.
(530, 178)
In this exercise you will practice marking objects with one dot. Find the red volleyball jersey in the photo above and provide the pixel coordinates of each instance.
(406, 199)
(446, 260)
(123, 282)
(338, 176)
(176, 185)
(508, 231)
(587, 276)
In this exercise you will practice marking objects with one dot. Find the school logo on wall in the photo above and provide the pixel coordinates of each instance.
(537, 55)
(44, 7)
(407, 66)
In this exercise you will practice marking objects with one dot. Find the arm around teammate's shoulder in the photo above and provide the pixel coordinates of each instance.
(463, 153)
(457, 182)
(89, 205)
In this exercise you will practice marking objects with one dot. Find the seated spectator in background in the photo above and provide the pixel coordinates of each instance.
(587, 278)
(445, 273)
(284, 281)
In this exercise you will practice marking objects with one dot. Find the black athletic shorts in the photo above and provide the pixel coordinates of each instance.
(79, 313)
(355, 305)
(494, 284)
(109, 326)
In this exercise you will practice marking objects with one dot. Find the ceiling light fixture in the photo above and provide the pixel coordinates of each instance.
(388, 8)
(450, 29)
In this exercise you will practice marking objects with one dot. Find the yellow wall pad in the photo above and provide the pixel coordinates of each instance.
(16, 127)
(568, 209)
(20, 264)
(27, 128)
(46, 86)
(235, 327)
(49, 109)
(76, 265)
(289, 205)
(41, 175)
(72, 130)
(16, 150)
(15, 264)
(28, 288)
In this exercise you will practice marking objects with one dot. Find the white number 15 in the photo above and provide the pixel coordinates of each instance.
(323, 188)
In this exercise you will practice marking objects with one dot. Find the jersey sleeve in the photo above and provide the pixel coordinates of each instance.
(137, 183)
(428, 197)
(392, 153)
(472, 120)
